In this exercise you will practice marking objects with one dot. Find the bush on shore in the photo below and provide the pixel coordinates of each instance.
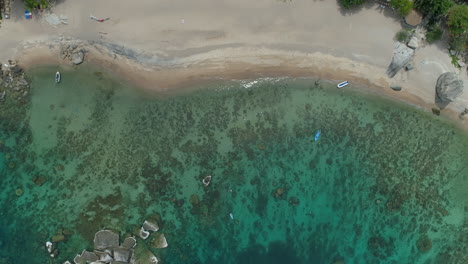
(403, 36)
(434, 34)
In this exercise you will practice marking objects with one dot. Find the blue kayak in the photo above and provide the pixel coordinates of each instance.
(317, 135)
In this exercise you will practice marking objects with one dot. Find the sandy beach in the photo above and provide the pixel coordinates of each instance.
(164, 45)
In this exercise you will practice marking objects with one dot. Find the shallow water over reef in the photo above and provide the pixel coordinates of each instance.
(385, 183)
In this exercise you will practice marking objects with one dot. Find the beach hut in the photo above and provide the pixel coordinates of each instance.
(27, 14)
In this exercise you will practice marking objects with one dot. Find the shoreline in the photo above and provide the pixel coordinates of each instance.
(175, 76)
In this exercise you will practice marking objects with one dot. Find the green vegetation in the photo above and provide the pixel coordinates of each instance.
(433, 34)
(457, 24)
(458, 20)
(351, 3)
(33, 4)
(434, 7)
(403, 36)
(403, 7)
(455, 61)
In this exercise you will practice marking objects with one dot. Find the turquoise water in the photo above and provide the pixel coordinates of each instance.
(382, 177)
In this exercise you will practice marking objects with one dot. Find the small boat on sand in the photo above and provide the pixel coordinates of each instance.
(57, 77)
(342, 84)
(317, 135)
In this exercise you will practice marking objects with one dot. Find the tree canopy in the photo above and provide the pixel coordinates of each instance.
(458, 20)
(434, 7)
(33, 4)
(403, 7)
(351, 3)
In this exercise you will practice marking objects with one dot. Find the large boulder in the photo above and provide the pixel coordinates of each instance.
(150, 226)
(159, 241)
(449, 87)
(413, 43)
(77, 57)
(402, 54)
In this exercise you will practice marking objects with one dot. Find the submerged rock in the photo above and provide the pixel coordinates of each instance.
(58, 238)
(402, 54)
(424, 244)
(194, 200)
(105, 239)
(19, 192)
(449, 87)
(39, 180)
(89, 256)
(160, 241)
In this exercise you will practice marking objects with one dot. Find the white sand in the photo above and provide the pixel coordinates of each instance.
(181, 41)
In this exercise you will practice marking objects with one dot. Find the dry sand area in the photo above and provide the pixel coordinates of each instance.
(174, 42)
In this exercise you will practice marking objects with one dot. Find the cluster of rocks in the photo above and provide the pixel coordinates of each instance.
(448, 87)
(108, 249)
(402, 55)
(12, 81)
(61, 235)
(73, 52)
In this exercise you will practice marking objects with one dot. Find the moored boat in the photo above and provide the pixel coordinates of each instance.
(342, 84)
(57, 77)
(317, 135)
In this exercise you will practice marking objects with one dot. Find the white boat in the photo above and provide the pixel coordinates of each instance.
(206, 181)
(57, 77)
(342, 84)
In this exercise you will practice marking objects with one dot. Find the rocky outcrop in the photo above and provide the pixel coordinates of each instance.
(150, 226)
(77, 57)
(72, 51)
(160, 241)
(402, 54)
(12, 78)
(449, 86)
(424, 244)
(413, 43)
(108, 250)
(105, 239)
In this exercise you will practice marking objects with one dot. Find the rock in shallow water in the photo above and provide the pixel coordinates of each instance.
(160, 241)
(105, 239)
(150, 226)
(129, 242)
(424, 244)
